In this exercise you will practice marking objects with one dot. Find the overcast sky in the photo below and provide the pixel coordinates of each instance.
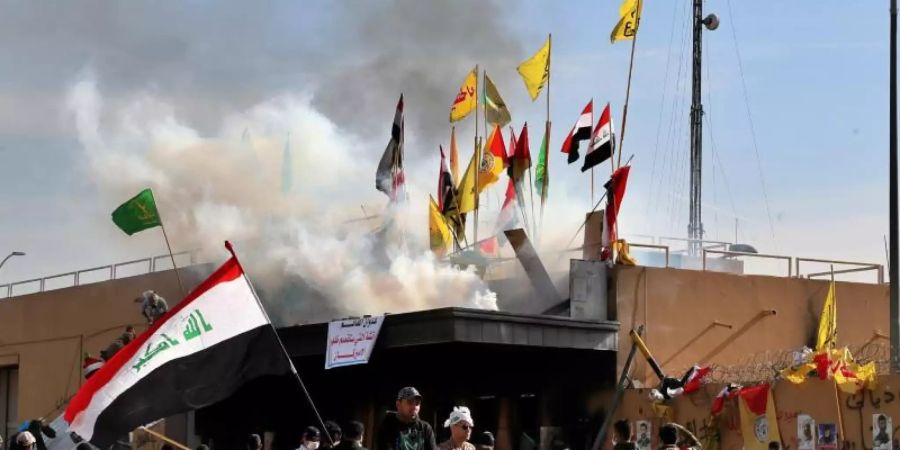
(815, 75)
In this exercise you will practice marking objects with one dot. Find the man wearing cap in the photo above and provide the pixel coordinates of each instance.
(403, 430)
(26, 441)
(311, 439)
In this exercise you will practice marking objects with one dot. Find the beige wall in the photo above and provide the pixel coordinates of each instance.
(45, 333)
(815, 398)
(679, 308)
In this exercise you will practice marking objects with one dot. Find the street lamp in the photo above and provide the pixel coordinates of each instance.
(10, 256)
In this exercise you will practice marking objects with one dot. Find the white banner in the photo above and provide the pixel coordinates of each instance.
(351, 341)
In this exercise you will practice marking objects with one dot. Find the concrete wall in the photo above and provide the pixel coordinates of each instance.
(718, 318)
(45, 333)
(814, 398)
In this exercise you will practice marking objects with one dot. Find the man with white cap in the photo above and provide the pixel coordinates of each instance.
(403, 430)
(26, 441)
(460, 423)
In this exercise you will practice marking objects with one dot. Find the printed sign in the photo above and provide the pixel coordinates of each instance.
(351, 341)
(882, 429)
(806, 432)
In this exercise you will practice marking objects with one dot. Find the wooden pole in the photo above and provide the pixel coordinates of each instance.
(546, 133)
(627, 91)
(477, 158)
(531, 191)
(837, 397)
(172, 255)
(164, 438)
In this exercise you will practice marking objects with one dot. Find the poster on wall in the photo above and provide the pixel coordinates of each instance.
(827, 436)
(881, 432)
(806, 432)
(644, 431)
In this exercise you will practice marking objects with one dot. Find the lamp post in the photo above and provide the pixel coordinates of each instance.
(10, 256)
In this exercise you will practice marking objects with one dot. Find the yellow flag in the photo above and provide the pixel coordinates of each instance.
(629, 20)
(494, 160)
(535, 71)
(438, 231)
(454, 158)
(465, 100)
(759, 422)
(827, 322)
(468, 197)
(799, 373)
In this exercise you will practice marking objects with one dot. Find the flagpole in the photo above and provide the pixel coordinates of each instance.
(592, 185)
(172, 255)
(280, 343)
(837, 397)
(628, 87)
(477, 157)
(531, 191)
(546, 132)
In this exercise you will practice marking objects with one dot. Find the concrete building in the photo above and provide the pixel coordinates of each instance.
(527, 377)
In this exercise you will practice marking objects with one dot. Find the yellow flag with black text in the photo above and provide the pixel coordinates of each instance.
(535, 71)
(629, 20)
(827, 335)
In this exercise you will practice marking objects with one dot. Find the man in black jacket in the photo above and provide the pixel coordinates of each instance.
(352, 437)
(403, 430)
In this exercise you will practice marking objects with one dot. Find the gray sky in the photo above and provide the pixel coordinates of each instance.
(816, 84)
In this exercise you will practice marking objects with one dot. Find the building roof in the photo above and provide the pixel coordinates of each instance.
(466, 325)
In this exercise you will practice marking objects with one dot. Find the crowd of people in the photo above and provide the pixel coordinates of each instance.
(401, 429)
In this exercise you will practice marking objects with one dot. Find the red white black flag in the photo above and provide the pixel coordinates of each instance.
(602, 142)
(580, 132)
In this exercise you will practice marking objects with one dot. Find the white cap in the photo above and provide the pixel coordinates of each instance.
(25, 438)
(459, 414)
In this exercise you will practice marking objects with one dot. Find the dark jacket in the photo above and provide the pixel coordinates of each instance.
(396, 435)
(349, 445)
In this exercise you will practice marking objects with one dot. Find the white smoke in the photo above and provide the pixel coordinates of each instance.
(311, 261)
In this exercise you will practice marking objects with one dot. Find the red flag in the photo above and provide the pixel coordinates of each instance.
(615, 192)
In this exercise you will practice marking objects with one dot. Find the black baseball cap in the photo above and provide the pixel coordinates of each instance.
(409, 393)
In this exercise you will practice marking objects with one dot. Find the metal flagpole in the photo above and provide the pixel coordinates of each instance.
(628, 88)
(280, 343)
(172, 255)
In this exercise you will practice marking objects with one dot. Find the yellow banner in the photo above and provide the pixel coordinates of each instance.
(629, 20)
(438, 232)
(465, 100)
(535, 71)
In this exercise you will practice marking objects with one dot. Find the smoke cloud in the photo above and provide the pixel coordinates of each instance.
(310, 261)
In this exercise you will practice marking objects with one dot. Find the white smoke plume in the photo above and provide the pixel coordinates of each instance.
(310, 260)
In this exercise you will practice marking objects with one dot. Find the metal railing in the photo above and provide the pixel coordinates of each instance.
(861, 267)
(755, 255)
(664, 248)
(111, 273)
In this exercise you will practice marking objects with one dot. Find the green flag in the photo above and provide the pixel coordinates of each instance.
(137, 214)
(542, 175)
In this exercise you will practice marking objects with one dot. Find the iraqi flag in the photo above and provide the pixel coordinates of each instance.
(581, 131)
(197, 354)
(602, 142)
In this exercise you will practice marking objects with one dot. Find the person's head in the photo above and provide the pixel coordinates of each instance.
(460, 423)
(333, 430)
(668, 434)
(484, 441)
(409, 401)
(882, 422)
(26, 441)
(254, 442)
(622, 429)
(774, 445)
(311, 438)
(643, 428)
(354, 430)
(807, 431)
(827, 432)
